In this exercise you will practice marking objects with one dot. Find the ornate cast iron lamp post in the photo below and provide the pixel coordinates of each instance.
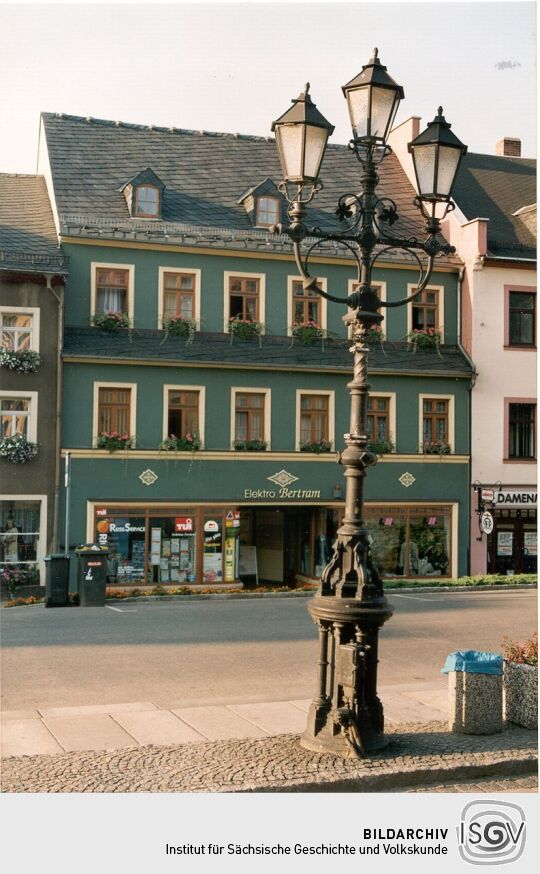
(346, 717)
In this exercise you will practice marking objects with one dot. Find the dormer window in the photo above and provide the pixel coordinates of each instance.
(267, 212)
(147, 201)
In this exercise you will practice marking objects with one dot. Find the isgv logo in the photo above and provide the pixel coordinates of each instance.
(491, 832)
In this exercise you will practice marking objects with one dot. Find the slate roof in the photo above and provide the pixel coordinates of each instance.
(205, 175)
(495, 187)
(277, 352)
(28, 239)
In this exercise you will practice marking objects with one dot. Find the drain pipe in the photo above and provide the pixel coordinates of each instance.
(472, 383)
(59, 295)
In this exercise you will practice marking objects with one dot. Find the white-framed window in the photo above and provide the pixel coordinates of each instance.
(251, 415)
(315, 416)
(268, 211)
(147, 201)
(112, 288)
(436, 423)
(115, 409)
(184, 411)
(18, 414)
(23, 527)
(381, 419)
(305, 306)
(427, 311)
(380, 287)
(244, 297)
(19, 328)
(179, 294)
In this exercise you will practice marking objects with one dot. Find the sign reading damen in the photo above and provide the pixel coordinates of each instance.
(491, 832)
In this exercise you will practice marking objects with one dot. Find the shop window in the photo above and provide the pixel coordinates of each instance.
(20, 533)
(249, 416)
(114, 410)
(173, 553)
(19, 329)
(244, 295)
(147, 201)
(436, 425)
(314, 418)
(183, 412)
(268, 212)
(111, 289)
(521, 436)
(378, 421)
(179, 293)
(213, 548)
(521, 318)
(410, 542)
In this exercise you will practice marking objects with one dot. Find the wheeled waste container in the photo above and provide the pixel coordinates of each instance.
(92, 575)
(475, 689)
(57, 580)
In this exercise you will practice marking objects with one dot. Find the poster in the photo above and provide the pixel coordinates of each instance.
(531, 543)
(505, 540)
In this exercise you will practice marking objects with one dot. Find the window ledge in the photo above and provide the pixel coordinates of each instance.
(520, 348)
(519, 460)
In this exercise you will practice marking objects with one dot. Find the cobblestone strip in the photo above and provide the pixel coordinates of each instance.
(415, 754)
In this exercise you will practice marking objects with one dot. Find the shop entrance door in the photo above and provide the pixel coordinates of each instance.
(512, 547)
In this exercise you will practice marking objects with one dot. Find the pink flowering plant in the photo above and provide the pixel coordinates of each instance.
(111, 321)
(317, 446)
(425, 338)
(375, 334)
(180, 326)
(11, 577)
(436, 447)
(190, 442)
(307, 332)
(244, 329)
(253, 445)
(113, 440)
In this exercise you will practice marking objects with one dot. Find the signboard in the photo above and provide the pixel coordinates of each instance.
(211, 526)
(505, 540)
(486, 522)
(487, 494)
(155, 552)
(183, 524)
(506, 498)
(247, 563)
(101, 512)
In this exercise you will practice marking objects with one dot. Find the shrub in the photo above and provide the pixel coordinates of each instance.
(307, 333)
(11, 577)
(521, 653)
(111, 321)
(180, 326)
(243, 329)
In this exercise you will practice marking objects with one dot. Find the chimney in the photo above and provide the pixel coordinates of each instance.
(509, 146)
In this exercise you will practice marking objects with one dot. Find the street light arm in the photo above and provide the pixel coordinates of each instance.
(424, 281)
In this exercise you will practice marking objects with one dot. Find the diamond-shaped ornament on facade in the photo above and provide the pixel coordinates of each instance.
(282, 478)
(407, 479)
(148, 477)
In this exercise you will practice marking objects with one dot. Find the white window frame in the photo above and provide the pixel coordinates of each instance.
(42, 541)
(411, 288)
(451, 418)
(227, 274)
(392, 420)
(331, 413)
(323, 282)
(34, 312)
(196, 272)
(267, 434)
(132, 409)
(111, 265)
(380, 286)
(276, 200)
(202, 406)
(31, 396)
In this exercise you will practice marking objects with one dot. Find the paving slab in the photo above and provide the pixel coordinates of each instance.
(399, 708)
(219, 723)
(157, 727)
(437, 698)
(28, 737)
(278, 717)
(97, 731)
(89, 709)
(303, 704)
(18, 715)
(415, 756)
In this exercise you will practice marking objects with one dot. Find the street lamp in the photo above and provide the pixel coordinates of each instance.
(346, 717)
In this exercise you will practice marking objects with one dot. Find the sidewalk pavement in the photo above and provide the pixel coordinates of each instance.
(97, 727)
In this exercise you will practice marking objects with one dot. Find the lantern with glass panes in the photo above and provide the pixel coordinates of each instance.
(346, 716)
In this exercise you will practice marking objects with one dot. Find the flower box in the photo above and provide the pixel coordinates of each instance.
(250, 445)
(111, 322)
(18, 449)
(114, 441)
(23, 361)
(425, 338)
(243, 329)
(317, 446)
(436, 447)
(381, 447)
(307, 333)
(188, 443)
(521, 682)
(180, 327)
(374, 335)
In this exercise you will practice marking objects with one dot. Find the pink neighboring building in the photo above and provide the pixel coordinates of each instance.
(494, 231)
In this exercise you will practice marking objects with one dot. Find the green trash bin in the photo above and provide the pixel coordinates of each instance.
(92, 575)
(57, 580)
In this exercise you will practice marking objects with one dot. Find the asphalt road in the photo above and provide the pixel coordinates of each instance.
(180, 654)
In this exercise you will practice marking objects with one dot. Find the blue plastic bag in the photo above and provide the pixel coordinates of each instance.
(471, 661)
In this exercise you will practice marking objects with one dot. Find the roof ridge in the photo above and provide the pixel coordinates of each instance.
(500, 157)
(21, 175)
